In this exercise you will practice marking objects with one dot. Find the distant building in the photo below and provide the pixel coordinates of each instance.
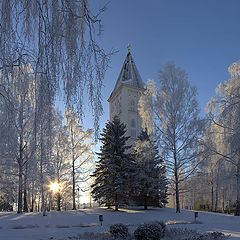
(124, 98)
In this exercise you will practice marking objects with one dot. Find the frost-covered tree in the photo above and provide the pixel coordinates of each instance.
(8, 171)
(80, 150)
(150, 181)
(212, 164)
(114, 168)
(60, 169)
(22, 92)
(38, 157)
(175, 117)
(59, 40)
(224, 110)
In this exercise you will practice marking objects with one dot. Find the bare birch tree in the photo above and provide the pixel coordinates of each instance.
(22, 98)
(175, 117)
(80, 144)
(59, 39)
(224, 110)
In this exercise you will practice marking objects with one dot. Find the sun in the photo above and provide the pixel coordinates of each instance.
(84, 198)
(54, 186)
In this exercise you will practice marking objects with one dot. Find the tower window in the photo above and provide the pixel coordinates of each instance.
(132, 105)
(133, 133)
(133, 123)
(118, 107)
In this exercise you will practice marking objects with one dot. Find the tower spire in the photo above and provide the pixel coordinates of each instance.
(125, 96)
(129, 74)
(129, 47)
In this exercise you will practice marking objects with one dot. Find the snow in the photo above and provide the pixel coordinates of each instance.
(58, 225)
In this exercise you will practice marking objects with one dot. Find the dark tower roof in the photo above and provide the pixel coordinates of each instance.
(129, 75)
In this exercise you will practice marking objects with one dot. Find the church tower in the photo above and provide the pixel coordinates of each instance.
(123, 100)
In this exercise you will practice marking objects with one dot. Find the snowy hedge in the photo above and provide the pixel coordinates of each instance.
(188, 234)
(150, 231)
(119, 231)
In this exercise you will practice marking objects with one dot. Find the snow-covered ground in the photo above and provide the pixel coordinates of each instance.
(58, 225)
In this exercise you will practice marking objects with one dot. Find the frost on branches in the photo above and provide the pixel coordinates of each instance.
(47, 48)
(80, 151)
(59, 40)
(145, 106)
(224, 112)
(173, 111)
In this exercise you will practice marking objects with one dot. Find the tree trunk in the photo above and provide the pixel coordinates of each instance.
(20, 183)
(73, 171)
(25, 203)
(223, 200)
(73, 187)
(116, 202)
(25, 199)
(216, 190)
(177, 195)
(58, 201)
(58, 195)
(212, 195)
(176, 169)
(145, 202)
(43, 207)
(216, 199)
(177, 189)
(32, 198)
(237, 210)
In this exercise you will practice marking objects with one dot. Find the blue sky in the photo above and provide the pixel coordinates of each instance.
(201, 36)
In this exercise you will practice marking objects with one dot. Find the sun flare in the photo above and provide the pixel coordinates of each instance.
(54, 187)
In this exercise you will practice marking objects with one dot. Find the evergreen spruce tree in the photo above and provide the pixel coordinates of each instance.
(113, 170)
(150, 177)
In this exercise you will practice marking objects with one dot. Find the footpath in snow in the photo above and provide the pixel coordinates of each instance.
(60, 225)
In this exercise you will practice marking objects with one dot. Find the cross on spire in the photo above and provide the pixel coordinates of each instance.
(129, 47)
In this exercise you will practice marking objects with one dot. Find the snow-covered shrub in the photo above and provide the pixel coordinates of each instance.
(119, 231)
(189, 234)
(216, 236)
(149, 231)
(163, 226)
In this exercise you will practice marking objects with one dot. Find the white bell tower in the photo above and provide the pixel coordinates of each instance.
(123, 100)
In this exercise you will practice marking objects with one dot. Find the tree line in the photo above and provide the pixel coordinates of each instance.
(201, 154)
(47, 49)
(30, 161)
